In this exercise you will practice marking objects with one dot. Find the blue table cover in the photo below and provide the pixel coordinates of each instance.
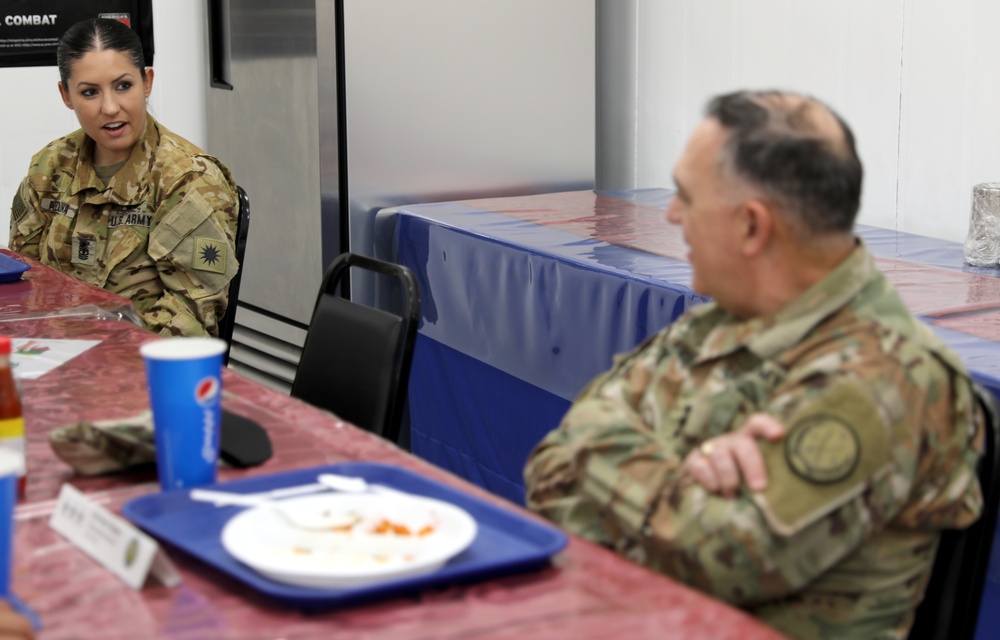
(526, 299)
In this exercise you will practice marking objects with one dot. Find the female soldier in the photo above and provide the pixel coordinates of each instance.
(123, 203)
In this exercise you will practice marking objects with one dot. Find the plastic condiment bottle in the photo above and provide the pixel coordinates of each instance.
(11, 418)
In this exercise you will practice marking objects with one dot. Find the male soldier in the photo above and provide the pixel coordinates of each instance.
(795, 446)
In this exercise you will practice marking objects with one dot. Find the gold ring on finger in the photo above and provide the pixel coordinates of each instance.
(706, 448)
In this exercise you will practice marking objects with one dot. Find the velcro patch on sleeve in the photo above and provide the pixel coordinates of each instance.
(178, 224)
(835, 446)
(19, 208)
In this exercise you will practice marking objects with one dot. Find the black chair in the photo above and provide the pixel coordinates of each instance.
(228, 320)
(950, 609)
(356, 358)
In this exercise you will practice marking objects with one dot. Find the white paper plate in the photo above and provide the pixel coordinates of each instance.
(383, 537)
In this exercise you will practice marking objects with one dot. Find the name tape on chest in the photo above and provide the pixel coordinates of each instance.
(57, 207)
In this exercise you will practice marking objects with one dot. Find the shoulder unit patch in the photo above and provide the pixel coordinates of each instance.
(822, 448)
(209, 255)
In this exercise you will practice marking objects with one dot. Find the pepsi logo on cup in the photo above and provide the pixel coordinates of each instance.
(206, 391)
(206, 394)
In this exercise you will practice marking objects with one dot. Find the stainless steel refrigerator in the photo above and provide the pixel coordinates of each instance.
(329, 111)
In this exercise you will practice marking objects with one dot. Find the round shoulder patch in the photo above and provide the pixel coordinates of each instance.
(822, 448)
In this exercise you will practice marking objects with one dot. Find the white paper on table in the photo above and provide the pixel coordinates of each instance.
(34, 357)
(111, 540)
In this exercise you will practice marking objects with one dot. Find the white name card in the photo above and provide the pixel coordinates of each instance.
(111, 540)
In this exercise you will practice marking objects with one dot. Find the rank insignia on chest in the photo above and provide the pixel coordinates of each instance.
(84, 251)
(209, 255)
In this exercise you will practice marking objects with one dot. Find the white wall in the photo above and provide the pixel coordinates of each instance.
(32, 114)
(912, 77)
(915, 79)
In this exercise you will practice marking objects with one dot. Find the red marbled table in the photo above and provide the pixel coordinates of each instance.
(588, 592)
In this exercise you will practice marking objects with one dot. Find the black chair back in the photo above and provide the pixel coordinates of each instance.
(356, 358)
(228, 320)
(950, 609)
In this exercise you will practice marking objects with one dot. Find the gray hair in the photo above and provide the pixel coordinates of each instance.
(795, 150)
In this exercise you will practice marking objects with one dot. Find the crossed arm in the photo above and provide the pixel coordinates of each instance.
(722, 463)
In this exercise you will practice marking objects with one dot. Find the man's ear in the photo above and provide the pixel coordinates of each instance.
(758, 227)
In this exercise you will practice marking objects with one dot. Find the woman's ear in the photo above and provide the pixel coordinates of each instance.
(149, 81)
(64, 94)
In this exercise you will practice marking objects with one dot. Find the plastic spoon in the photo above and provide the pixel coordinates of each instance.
(352, 484)
(312, 519)
(347, 484)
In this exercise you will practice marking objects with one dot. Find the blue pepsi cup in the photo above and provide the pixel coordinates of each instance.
(185, 393)
(11, 464)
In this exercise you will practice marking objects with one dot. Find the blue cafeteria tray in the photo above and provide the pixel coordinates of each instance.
(506, 541)
(11, 268)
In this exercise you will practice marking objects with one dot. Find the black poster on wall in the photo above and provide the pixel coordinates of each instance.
(30, 29)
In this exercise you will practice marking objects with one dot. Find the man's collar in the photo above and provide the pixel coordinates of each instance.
(824, 298)
(768, 337)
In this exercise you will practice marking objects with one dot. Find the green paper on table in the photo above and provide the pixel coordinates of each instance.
(106, 446)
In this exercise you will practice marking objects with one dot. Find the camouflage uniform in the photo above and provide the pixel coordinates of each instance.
(161, 233)
(104, 446)
(883, 436)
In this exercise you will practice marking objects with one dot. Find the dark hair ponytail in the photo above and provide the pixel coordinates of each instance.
(97, 34)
